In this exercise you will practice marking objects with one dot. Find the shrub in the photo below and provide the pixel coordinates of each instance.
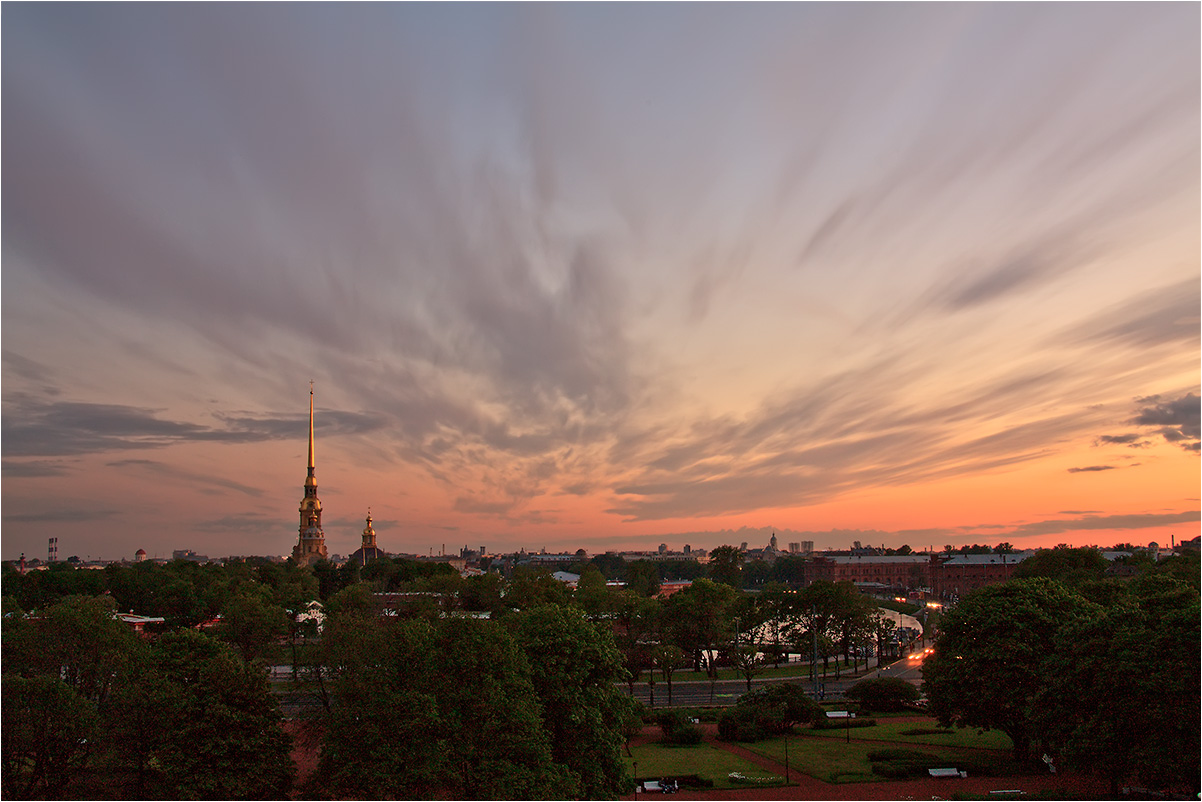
(843, 723)
(739, 724)
(677, 728)
(882, 695)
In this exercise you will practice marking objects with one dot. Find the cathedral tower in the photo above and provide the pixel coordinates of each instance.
(311, 545)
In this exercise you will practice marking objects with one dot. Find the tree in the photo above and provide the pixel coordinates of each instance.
(574, 665)
(699, 622)
(80, 641)
(642, 577)
(383, 736)
(529, 587)
(433, 709)
(1122, 684)
(634, 619)
(251, 620)
(591, 593)
(986, 669)
(1069, 566)
(48, 730)
(220, 736)
(726, 566)
(748, 616)
(771, 710)
(667, 658)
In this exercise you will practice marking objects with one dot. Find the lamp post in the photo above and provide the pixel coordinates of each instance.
(636, 780)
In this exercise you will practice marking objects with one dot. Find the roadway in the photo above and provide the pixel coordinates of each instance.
(697, 693)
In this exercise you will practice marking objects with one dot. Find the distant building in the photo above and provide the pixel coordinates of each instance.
(139, 555)
(902, 572)
(311, 543)
(368, 551)
(957, 574)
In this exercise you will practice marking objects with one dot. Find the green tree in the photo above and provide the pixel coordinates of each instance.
(80, 640)
(221, 736)
(1122, 684)
(987, 666)
(433, 709)
(592, 595)
(529, 588)
(699, 622)
(383, 738)
(48, 730)
(642, 577)
(1069, 566)
(726, 566)
(574, 665)
(251, 620)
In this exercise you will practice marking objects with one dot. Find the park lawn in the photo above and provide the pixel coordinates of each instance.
(827, 756)
(892, 730)
(829, 761)
(705, 760)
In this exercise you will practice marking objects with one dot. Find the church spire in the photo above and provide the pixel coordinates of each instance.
(311, 541)
(311, 479)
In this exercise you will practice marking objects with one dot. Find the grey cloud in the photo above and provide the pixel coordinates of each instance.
(33, 428)
(1180, 419)
(161, 470)
(245, 522)
(1142, 521)
(1162, 316)
(61, 515)
(1132, 440)
(31, 469)
(1092, 469)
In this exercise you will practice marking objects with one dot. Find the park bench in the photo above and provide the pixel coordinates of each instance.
(651, 786)
(947, 773)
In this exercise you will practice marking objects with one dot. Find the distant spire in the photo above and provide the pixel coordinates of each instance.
(311, 463)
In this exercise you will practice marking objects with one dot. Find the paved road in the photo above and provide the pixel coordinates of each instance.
(727, 692)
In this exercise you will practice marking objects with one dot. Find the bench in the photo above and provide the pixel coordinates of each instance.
(651, 786)
(947, 773)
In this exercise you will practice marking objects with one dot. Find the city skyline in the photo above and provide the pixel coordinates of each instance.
(600, 276)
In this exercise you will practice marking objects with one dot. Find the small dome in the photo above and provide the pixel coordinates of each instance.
(141, 552)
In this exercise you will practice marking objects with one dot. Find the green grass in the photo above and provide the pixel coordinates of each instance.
(826, 755)
(893, 730)
(830, 761)
(705, 760)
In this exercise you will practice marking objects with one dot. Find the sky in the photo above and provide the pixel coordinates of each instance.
(599, 276)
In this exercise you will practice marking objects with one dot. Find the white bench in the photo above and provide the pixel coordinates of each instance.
(947, 773)
(652, 786)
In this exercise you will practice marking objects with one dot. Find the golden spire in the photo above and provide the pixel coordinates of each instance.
(311, 479)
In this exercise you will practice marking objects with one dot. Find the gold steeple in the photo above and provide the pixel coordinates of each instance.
(311, 479)
(369, 534)
(311, 540)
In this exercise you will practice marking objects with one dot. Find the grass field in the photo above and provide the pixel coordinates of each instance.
(705, 760)
(893, 730)
(825, 755)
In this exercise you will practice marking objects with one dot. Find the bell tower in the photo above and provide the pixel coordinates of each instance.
(311, 544)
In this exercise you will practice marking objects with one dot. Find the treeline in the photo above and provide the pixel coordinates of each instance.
(1098, 675)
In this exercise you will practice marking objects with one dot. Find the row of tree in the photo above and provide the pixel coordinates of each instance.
(1103, 677)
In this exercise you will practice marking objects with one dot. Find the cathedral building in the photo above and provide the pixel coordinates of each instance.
(368, 551)
(311, 545)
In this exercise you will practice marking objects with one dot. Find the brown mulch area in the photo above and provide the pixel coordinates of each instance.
(805, 787)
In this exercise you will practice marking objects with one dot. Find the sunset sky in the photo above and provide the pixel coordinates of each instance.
(599, 276)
